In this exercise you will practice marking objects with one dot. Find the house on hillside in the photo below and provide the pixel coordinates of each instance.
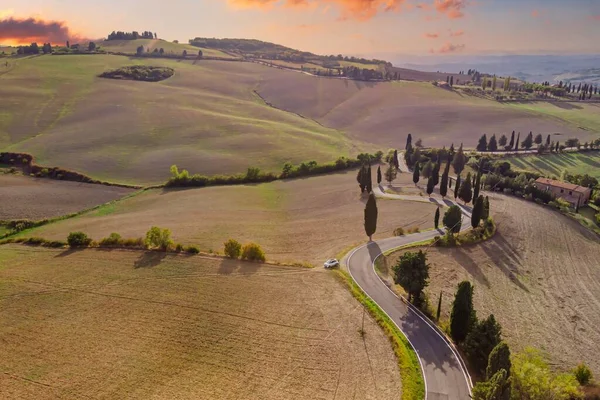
(576, 195)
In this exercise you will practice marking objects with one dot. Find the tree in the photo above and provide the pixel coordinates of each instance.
(360, 179)
(538, 138)
(482, 145)
(453, 219)
(477, 186)
(415, 157)
(436, 218)
(456, 187)
(253, 252)
(499, 359)
(557, 146)
(200, 54)
(548, 140)
(371, 216)
(496, 388)
(492, 144)
(507, 84)
(91, 46)
(486, 209)
(408, 141)
(463, 316)
(157, 238)
(528, 142)
(444, 184)
(140, 50)
(477, 212)
(416, 173)
(68, 45)
(78, 239)
(369, 182)
(390, 173)
(439, 308)
(503, 140)
(232, 248)
(161, 51)
(459, 161)
(412, 273)
(430, 185)
(451, 81)
(435, 174)
(419, 143)
(494, 83)
(184, 54)
(517, 141)
(481, 340)
(427, 170)
(396, 159)
(466, 193)
(512, 140)
(379, 175)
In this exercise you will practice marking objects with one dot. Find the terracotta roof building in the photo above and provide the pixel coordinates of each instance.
(574, 194)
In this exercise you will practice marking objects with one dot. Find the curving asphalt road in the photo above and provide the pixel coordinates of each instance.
(444, 372)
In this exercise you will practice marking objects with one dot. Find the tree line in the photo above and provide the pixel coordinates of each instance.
(120, 35)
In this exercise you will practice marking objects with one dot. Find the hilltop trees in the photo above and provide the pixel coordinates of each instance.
(371, 216)
(463, 316)
(482, 145)
(412, 274)
(492, 144)
(119, 35)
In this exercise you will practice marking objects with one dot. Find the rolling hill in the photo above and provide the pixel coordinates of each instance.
(130, 46)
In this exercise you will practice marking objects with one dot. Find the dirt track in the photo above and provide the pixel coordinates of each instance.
(540, 277)
(106, 325)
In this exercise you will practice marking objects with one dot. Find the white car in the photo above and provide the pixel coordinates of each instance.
(331, 263)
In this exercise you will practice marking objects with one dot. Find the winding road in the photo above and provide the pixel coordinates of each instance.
(444, 372)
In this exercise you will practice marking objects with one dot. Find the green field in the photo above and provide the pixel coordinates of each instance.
(130, 46)
(585, 116)
(206, 118)
(554, 164)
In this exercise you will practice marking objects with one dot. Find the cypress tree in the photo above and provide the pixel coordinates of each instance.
(436, 174)
(436, 218)
(439, 309)
(430, 185)
(466, 192)
(453, 219)
(459, 161)
(503, 140)
(512, 140)
(408, 141)
(369, 180)
(477, 212)
(486, 209)
(557, 146)
(481, 340)
(463, 314)
(379, 175)
(360, 180)
(456, 187)
(371, 216)
(492, 144)
(548, 140)
(482, 145)
(476, 187)
(499, 359)
(517, 142)
(444, 185)
(416, 173)
(396, 159)
(365, 178)
(451, 151)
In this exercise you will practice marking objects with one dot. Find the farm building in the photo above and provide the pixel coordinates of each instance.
(576, 195)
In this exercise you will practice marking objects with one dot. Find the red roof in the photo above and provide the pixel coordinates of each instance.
(562, 185)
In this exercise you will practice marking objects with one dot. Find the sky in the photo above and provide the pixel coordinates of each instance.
(349, 27)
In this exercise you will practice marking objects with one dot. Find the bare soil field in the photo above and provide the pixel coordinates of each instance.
(206, 118)
(127, 324)
(306, 220)
(539, 275)
(385, 113)
(32, 198)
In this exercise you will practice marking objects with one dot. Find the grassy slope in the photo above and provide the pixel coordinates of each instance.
(205, 118)
(586, 116)
(130, 46)
(555, 164)
(135, 325)
(307, 220)
(384, 113)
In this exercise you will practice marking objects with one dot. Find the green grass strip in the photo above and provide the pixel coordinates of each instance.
(413, 386)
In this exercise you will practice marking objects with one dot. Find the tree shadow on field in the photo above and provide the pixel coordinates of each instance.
(149, 259)
(465, 260)
(565, 106)
(374, 250)
(229, 267)
(506, 257)
(69, 251)
(586, 159)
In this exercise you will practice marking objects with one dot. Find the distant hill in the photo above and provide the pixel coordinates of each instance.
(130, 47)
(252, 48)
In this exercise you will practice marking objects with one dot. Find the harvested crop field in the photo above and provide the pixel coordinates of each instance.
(128, 324)
(556, 164)
(385, 113)
(540, 277)
(32, 198)
(307, 220)
(205, 118)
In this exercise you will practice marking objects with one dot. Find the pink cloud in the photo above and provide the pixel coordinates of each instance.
(451, 8)
(431, 35)
(449, 48)
(457, 33)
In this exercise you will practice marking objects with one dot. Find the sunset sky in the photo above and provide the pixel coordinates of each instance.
(325, 26)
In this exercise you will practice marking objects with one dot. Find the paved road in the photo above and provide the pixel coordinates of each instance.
(444, 372)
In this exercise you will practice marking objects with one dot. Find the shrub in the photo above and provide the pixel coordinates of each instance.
(598, 218)
(78, 239)
(253, 252)
(583, 374)
(130, 242)
(56, 244)
(35, 241)
(399, 232)
(413, 229)
(233, 248)
(114, 239)
(179, 248)
(192, 250)
(157, 238)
